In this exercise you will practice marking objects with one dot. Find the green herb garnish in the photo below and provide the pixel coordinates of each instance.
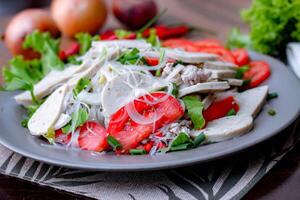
(240, 72)
(81, 85)
(198, 140)
(85, 41)
(231, 112)
(77, 119)
(131, 57)
(175, 90)
(113, 142)
(238, 40)
(195, 107)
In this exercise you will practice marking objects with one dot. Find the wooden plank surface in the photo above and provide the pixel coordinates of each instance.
(219, 16)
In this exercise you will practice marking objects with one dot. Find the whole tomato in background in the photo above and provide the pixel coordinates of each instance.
(74, 16)
(134, 13)
(24, 23)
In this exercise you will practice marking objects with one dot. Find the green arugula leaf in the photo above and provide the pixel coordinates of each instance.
(20, 72)
(195, 107)
(77, 119)
(131, 57)
(81, 85)
(182, 138)
(48, 47)
(85, 40)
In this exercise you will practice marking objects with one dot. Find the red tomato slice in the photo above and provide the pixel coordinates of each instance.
(204, 43)
(62, 138)
(152, 61)
(73, 49)
(129, 133)
(259, 71)
(241, 57)
(92, 137)
(220, 109)
(221, 51)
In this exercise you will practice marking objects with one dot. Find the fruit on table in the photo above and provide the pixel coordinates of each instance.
(75, 16)
(24, 23)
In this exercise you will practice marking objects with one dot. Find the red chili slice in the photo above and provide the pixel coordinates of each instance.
(130, 133)
(220, 109)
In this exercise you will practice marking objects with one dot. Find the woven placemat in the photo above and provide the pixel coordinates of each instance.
(229, 178)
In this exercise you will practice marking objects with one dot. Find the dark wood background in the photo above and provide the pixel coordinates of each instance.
(218, 16)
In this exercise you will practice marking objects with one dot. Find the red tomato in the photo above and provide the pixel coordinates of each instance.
(182, 43)
(108, 35)
(92, 137)
(62, 138)
(130, 133)
(204, 43)
(221, 51)
(148, 146)
(220, 109)
(241, 57)
(259, 71)
(73, 49)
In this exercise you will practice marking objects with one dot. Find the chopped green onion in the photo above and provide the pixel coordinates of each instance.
(175, 89)
(158, 72)
(198, 140)
(181, 147)
(113, 142)
(231, 112)
(272, 95)
(272, 112)
(137, 151)
(246, 82)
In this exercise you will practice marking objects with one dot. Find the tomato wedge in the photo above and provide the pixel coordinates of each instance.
(152, 61)
(204, 43)
(159, 108)
(241, 57)
(62, 138)
(221, 51)
(258, 72)
(220, 109)
(92, 137)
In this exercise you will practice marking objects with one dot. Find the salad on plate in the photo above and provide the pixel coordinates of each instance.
(131, 97)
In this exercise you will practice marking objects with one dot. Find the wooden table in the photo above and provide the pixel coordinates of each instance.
(219, 16)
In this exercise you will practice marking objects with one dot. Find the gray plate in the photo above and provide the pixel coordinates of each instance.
(287, 106)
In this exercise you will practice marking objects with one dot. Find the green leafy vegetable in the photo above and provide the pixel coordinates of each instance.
(198, 140)
(240, 71)
(20, 72)
(183, 142)
(131, 57)
(137, 151)
(175, 89)
(238, 40)
(85, 41)
(273, 24)
(182, 138)
(113, 142)
(77, 119)
(272, 95)
(272, 112)
(231, 112)
(81, 85)
(48, 48)
(195, 107)
(153, 39)
(121, 33)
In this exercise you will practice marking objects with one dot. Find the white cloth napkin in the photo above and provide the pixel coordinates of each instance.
(293, 57)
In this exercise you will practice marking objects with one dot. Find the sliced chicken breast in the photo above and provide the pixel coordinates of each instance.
(90, 98)
(234, 81)
(251, 101)
(48, 113)
(219, 65)
(139, 44)
(48, 83)
(62, 121)
(189, 57)
(226, 128)
(206, 87)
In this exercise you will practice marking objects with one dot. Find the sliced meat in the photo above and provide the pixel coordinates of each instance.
(189, 57)
(221, 74)
(251, 101)
(219, 65)
(226, 128)
(139, 44)
(90, 98)
(234, 81)
(48, 113)
(207, 87)
(48, 83)
(62, 121)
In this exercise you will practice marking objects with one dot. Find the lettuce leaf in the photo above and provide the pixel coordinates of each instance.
(194, 107)
(85, 40)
